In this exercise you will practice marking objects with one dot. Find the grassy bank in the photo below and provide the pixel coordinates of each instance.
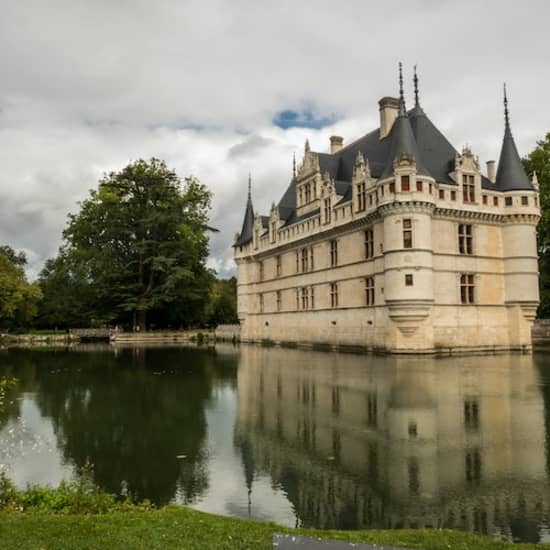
(176, 527)
(79, 515)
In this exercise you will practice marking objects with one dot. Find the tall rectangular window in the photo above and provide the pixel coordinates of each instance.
(405, 183)
(333, 253)
(273, 231)
(442, 194)
(467, 288)
(465, 239)
(419, 185)
(484, 198)
(261, 303)
(409, 281)
(369, 291)
(468, 189)
(304, 259)
(507, 201)
(361, 196)
(311, 257)
(495, 201)
(369, 243)
(524, 200)
(312, 297)
(407, 233)
(392, 187)
(261, 268)
(297, 261)
(327, 210)
(305, 298)
(333, 294)
(297, 298)
(278, 268)
(472, 466)
(279, 300)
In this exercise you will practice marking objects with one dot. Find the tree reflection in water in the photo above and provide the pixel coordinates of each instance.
(130, 415)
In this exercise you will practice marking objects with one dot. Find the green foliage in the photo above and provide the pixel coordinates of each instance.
(539, 161)
(5, 385)
(222, 304)
(18, 298)
(135, 251)
(16, 258)
(71, 497)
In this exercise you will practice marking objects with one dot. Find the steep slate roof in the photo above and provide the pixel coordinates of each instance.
(511, 175)
(412, 133)
(248, 222)
(403, 143)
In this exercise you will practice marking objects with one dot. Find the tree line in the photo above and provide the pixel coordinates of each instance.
(133, 256)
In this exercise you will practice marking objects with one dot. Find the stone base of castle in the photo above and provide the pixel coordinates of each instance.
(402, 328)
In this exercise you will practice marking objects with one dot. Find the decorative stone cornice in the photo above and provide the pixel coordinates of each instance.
(419, 207)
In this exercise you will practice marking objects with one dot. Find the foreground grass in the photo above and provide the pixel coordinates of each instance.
(177, 527)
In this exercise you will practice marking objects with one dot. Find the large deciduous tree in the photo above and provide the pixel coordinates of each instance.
(539, 161)
(18, 298)
(140, 242)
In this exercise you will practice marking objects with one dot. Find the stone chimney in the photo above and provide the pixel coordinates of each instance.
(336, 143)
(491, 171)
(389, 109)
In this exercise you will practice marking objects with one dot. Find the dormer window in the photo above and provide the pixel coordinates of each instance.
(361, 196)
(327, 210)
(405, 183)
(468, 188)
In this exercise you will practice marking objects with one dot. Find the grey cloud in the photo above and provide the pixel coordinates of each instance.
(88, 86)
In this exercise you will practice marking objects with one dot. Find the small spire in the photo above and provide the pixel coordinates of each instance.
(416, 100)
(249, 186)
(506, 114)
(402, 109)
(306, 146)
(294, 165)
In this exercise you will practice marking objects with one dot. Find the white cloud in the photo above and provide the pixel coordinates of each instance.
(86, 87)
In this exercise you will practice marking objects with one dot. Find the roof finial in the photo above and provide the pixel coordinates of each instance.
(294, 165)
(249, 186)
(402, 110)
(506, 114)
(306, 146)
(416, 101)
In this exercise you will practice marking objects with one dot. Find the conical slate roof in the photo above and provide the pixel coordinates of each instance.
(248, 222)
(403, 143)
(511, 175)
(402, 139)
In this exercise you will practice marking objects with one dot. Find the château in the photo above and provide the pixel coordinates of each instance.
(397, 243)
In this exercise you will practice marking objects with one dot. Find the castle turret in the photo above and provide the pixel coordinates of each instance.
(408, 273)
(519, 241)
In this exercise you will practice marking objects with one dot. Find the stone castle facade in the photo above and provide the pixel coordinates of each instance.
(397, 243)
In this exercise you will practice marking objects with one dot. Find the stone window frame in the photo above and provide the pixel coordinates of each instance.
(334, 295)
(361, 196)
(467, 288)
(508, 201)
(279, 299)
(333, 252)
(408, 241)
(465, 240)
(409, 279)
(368, 235)
(405, 183)
(468, 188)
(370, 296)
(278, 265)
(261, 302)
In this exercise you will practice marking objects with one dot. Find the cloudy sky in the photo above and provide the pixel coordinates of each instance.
(219, 89)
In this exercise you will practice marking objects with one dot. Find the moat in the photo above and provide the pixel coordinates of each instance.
(298, 437)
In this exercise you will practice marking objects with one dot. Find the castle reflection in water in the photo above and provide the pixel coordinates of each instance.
(390, 442)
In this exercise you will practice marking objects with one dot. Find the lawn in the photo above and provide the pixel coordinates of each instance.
(179, 527)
